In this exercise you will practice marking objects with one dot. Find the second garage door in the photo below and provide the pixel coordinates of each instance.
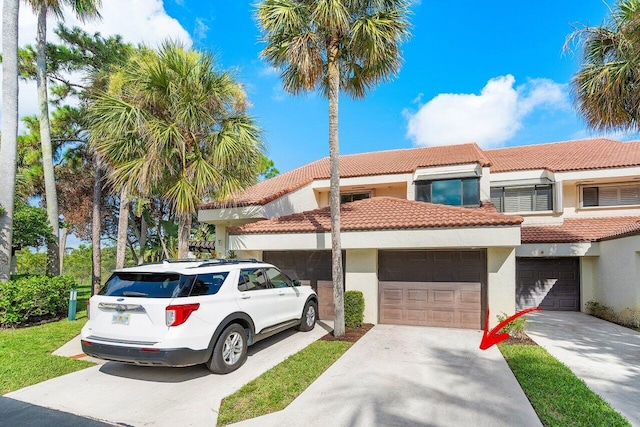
(311, 268)
(432, 288)
(549, 283)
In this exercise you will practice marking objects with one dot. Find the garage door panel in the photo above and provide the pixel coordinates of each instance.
(456, 305)
(550, 283)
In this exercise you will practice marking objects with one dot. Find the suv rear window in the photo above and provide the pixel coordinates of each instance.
(162, 285)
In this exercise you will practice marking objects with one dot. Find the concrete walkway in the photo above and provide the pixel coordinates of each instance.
(606, 356)
(151, 396)
(411, 376)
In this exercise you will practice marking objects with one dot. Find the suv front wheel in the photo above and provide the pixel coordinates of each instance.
(230, 351)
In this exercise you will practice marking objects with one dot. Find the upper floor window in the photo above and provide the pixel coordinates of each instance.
(452, 192)
(523, 199)
(611, 195)
(352, 197)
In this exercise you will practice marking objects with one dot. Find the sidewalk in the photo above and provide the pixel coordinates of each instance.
(73, 350)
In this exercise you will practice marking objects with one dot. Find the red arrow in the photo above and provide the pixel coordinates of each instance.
(491, 338)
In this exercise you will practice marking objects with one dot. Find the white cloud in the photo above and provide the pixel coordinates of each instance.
(201, 29)
(490, 118)
(137, 21)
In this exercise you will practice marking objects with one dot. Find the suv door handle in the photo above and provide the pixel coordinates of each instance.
(245, 296)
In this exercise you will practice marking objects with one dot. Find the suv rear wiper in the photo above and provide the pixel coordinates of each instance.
(134, 294)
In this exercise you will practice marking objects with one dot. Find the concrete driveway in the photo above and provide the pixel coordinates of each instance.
(606, 356)
(149, 396)
(413, 376)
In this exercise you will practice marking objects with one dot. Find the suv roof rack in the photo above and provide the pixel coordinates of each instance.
(212, 262)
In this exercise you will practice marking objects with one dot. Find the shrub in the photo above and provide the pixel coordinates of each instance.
(34, 298)
(353, 309)
(630, 317)
(516, 327)
(602, 311)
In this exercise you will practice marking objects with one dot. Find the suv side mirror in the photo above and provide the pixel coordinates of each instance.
(296, 282)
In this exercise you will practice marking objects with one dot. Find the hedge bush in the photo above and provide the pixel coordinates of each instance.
(353, 309)
(30, 299)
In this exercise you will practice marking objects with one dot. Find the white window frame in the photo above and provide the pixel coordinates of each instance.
(617, 185)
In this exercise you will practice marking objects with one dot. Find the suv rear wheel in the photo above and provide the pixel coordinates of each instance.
(309, 315)
(230, 351)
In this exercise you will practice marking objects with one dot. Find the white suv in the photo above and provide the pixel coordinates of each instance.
(190, 312)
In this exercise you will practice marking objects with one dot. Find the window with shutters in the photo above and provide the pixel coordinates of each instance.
(533, 198)
(452, 192)
(611, 195)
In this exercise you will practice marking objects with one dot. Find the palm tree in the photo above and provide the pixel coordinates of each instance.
(607, 87)
(84, 9)
(334, 44)
(9, 144)
(171, 126)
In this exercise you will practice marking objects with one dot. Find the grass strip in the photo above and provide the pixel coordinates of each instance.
(556, 394)
(279, 386)
(25, 354)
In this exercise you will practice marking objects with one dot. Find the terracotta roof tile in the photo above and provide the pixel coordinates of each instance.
(586, 154)
(582, 230)
(380, 213)
(354, 165)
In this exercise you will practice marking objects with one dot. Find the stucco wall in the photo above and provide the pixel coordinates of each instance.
(303, 199)
(361, 274)
(619, 273)
(472, 237)
(501, 292)
(588, 280)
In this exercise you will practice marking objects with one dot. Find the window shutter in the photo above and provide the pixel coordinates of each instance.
(608, 196)
(496, 198)
(518, 199)
(543, 198)
(630, 195)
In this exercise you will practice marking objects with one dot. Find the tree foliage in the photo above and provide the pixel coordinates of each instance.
(607, 86)
(31, 227)
(171, 126)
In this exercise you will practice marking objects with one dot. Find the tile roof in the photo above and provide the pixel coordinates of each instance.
(598, 153)
(582, 230)
(381, 213)
(354, 165)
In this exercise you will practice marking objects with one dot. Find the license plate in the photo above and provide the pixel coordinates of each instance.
(121, 319)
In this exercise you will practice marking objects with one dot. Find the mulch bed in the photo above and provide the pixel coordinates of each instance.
(525, 340)
(350, 334)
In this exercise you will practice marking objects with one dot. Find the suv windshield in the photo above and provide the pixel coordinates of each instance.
(162, 285)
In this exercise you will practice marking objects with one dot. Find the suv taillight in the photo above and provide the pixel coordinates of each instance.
(88, 310)
(178, 314)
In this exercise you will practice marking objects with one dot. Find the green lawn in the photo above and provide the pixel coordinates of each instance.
(279, 386)
(25, 353)
(557, 395)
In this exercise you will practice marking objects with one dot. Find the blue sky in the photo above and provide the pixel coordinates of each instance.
(442, 94)
(492, 72)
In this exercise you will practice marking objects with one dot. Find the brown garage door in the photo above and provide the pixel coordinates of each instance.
(311, 268)
(432, 288)
(550, 283)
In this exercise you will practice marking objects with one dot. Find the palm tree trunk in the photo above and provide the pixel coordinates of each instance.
(96, 225)
(123, 226)
(142, 240)
(51, 196)
(63, 245)
(334, 197)
(8, 147)
(184, 230)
